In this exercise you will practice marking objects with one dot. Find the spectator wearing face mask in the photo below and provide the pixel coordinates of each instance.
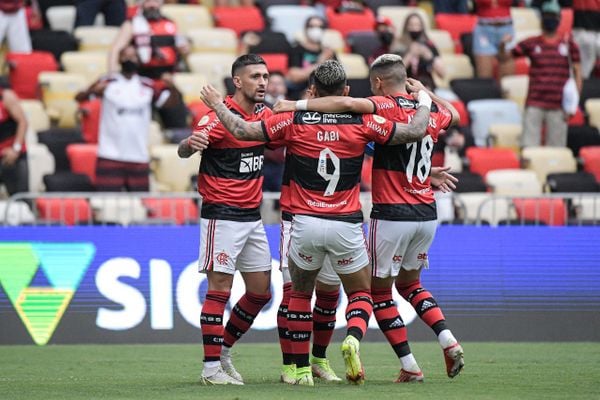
(385, 32)
(306, 55)
(549, 54)
(420, 56)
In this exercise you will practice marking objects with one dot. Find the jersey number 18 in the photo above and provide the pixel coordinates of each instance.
(425, 147)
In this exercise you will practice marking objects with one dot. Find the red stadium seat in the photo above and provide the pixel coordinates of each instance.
(350, 21)
(462, 111)
(24, 71)
(89, 118)
(180, 211)
(566, 22)
(456, 25)
(551, 212)
(521, 66)
(276, 62)
(239, 19)
(82, 158)
(591, 160)
(578, 119)
(483, 159)
(65, 211)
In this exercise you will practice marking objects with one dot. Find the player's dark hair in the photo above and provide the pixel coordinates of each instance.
(244, 61)
(329, 78)
(389, 67)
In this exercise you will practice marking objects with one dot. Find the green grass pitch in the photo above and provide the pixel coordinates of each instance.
(492, 371)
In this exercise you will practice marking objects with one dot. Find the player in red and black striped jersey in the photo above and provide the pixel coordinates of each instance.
(232, 234)
(326, 152)
(403, 219)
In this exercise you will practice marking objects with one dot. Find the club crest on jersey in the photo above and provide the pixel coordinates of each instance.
(203, 121)
(251, 163)
(311, 118)
(379, 119)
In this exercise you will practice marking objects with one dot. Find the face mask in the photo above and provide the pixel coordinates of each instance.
(151, 14)
(315, 34)
(129, 67)
(416, 35)
(550, 24)
(386, 38)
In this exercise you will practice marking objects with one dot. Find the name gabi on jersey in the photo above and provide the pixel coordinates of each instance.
(328, 136)
(251, 163)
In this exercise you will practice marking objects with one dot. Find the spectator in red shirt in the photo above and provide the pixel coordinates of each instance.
(549, 54)
(493, 23)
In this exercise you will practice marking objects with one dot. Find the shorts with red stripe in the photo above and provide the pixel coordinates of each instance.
(227, 246)
(113, 176)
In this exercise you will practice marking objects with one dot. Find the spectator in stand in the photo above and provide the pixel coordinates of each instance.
(586, 32)
(549, 54)
(228, 3)
(306, 55)
(385, 31)
(14, 172)
(13, 26)
(274, 158)
(114, 12)
(450, 6)
(493, 23)
(419, 54)
(158, 47)
(276, 89)
(127, 100)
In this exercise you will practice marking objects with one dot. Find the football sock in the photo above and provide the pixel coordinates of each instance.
(211, 324)
(390, 322)
(358, 312)
(300, 326)
(242, 316)
(282, 326)
(324, 321)
(424, 304)
(446, 338)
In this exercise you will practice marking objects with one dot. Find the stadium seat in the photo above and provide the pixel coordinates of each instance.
(118, 210)
(552, 212)
(214, 66)
(58, 93)
(483, 208)
(591, 160)
(37, 119)
(578, 119)
(187, 16)
(189, 84)
(456, 25)
(360, 87)
(213, 40)
(475, 89)
(469, 182)
(547, 160)
(587, 208)
(180, 211)
(69, 211)
(375, 4)
(398, 15)
(355, 65)
(506, 135)
(486, 112)
(572, 182)
(95, 38)
(456, 66)
(270, 42)
(240, 19)
(25, 69)
(61, 18)
(347, 22)
(442, 41)
(276, 62)
(265, 4)
(66, 181)
(513, 182)
(462, 111)
(523, 34)
(156, 136)
(172, 174)
(525, 18)
(89, 119)
(82, 158)
(582, 136)
(483, 159)
(590, 90)
(289, 19)
(55, 42)
(364, 43)
(592, 109)
(57, 140)
(331, 38)
(515, 87)
(15, 213)
(90, 64)
(39, 156)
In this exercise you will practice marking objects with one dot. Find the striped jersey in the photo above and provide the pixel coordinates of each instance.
(401, 186)
(324, 159)
(230, 177)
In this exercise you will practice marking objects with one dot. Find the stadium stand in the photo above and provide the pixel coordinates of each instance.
(582, 136)
(61, 18)
(506, 135)
(513, 182)
(487, 112)
(289, 19)
(552, 212)
(82, 159)
(398, 15)
(547, 160)
(482, 160)
(188, 16)
(58, 94)
(25, 69)
(55, 42)
(363, 42)
(572, 182)
(240, 19)
(95, 38)
(346, 22)
(475, 89)
(592, 110)
(67, 181)
(591, 160)
(213, 40)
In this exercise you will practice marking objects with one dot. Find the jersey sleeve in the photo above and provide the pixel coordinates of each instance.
(443, 117)
(384, 106)
(278, 127)
(522, 48)
(208, 125)
(378, 129)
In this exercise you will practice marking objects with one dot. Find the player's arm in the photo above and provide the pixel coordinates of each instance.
(10, 155)
(415, 130)
(240, 129)
(193, 143)
(330, 104)
(414, 85)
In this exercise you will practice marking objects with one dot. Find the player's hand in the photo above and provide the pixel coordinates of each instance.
(413, 85)
(99, 87)
(9, 156)
(198, 141)
(211, 96)
(442, 180)
(284, 106)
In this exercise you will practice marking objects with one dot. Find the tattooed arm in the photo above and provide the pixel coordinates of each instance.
(240, 129)
(414, 131)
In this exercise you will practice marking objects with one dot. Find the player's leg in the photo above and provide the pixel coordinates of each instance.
(388, 241)
(408, 284)
(254, 263)
(288, 369)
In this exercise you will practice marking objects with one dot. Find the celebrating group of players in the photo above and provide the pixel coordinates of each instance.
(322, 241)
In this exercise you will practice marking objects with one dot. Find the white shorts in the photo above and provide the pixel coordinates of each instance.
(399, 244)
(229, 245)
(326, 275)
(313, 239)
